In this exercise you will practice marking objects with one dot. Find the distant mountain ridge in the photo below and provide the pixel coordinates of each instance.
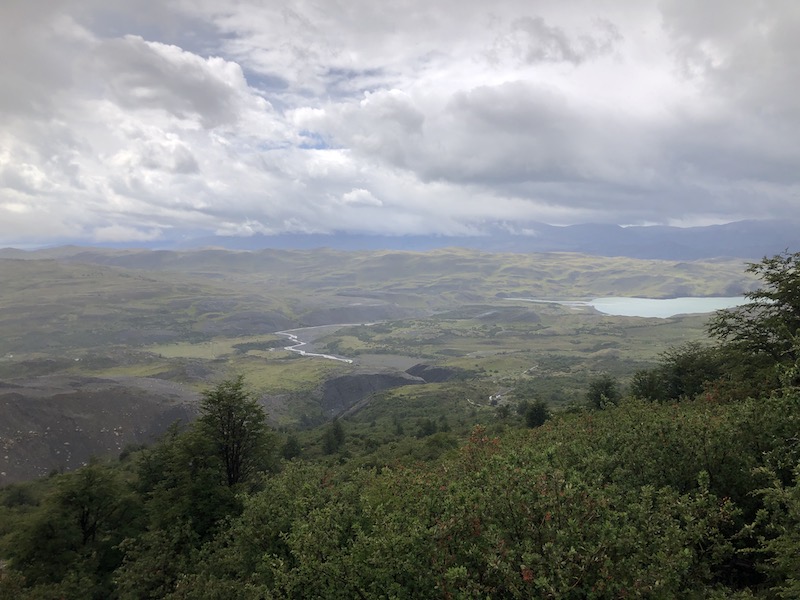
(741, 239)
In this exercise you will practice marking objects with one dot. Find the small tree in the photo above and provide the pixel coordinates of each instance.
(76, 530)
(237, 426)
(648, 384)
(426, 427)
(536, 413)
(291, 449)
(770, 322)
(503, 411)
(684, 372)
(603, 390)
(333, 438)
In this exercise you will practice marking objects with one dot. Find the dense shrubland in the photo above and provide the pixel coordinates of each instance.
(685, 487)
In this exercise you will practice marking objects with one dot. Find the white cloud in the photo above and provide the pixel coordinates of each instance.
(360, 197)
(142, 75)
(137, 121)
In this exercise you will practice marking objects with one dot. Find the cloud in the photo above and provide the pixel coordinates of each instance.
(120, 233)
(169, 155)
(143, 75)
(382, 124)
(360, 197)
(532, 40)
(247, 117)
(744, 58)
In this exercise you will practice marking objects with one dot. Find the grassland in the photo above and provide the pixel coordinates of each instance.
(191, 317)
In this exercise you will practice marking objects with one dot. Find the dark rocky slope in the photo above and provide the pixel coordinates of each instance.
(341, 393)
(60, 422)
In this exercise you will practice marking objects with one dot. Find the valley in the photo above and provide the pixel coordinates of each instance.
(446, 334)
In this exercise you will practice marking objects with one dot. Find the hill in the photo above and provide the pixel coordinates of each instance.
(191, 317)
(742, 239)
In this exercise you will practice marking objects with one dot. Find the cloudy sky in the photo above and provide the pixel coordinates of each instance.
(155, 120)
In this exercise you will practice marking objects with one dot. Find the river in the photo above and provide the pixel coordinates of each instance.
(661, 308)
(297, 343)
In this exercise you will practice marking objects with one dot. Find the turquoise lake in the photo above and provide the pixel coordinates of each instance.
(662, 308)
(650, 307)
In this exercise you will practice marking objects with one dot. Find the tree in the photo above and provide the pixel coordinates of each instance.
(182, 479)
(333, 438)
(770, 322)
(291, 449)
(236, 424)
(503, 411)
(426, 427)
(536, 413)
(603, 390)
(75, 532)
(684, 372)
(648, 384)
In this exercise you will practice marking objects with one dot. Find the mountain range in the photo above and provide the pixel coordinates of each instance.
(742, 239)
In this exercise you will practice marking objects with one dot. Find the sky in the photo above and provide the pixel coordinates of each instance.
(155, 120)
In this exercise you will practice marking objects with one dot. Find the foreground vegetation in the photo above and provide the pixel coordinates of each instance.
(638, 500)
(687, 486)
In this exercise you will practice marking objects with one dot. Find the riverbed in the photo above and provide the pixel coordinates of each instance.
(320, 330)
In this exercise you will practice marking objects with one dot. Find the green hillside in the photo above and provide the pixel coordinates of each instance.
(191, 318)
(684, 484)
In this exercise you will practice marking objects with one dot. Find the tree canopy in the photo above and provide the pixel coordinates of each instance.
(769, 322)
(236, 425)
